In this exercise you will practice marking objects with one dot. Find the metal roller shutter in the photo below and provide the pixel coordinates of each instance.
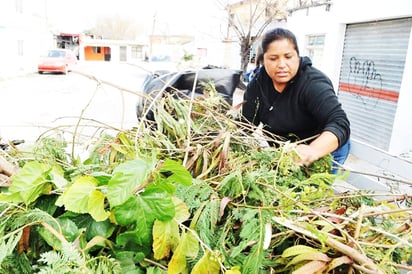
(370, 77)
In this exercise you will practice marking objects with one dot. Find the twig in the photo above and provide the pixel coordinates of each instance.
(54, 232)
(141, 94)
(188, 119)
(359, 222)
(7, 168)
(400, 180)
(372, 214)
(155, 263)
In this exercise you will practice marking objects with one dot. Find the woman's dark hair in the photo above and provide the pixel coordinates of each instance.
(259, 56)
(278, 34)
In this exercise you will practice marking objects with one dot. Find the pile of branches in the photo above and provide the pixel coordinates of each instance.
(193, 191)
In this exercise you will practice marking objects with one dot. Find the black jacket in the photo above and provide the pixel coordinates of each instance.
(306, 107)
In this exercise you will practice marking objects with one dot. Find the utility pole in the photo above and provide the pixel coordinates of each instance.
(151, 36)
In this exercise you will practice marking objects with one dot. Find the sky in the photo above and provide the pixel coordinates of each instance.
(175, 16)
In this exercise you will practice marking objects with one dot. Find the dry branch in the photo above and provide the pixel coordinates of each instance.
(7, 168)
(367, 264)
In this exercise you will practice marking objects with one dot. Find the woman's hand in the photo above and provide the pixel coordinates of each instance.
(324, 144)
(307, 154)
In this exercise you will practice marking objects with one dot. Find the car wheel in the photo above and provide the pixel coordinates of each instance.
(40, 72)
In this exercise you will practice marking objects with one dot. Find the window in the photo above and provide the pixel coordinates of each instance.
(314, 48)
(136, 52)
(97, 50)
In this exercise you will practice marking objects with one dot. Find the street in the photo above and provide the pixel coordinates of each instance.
(34, 104)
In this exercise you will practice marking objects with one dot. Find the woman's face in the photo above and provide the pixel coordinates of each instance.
(281, 62)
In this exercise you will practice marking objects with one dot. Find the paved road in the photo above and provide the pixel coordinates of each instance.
(33, 104)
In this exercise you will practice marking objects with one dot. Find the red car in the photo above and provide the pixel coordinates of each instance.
(57, 60)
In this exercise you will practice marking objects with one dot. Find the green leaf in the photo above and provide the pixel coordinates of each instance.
(188, 247)
(57, 176)
(30, 182)
(157, 203)
(135, 212)
(8, 245)
(104, 229)
(309, 256)
(47, 203)
(138, 239)
(255, 258)
(69, 229)
(95, 241)
(165, 238)
(102, 177)
(65, 226)
(182, 212)
(297, 250)
(96, 206)
(128, 261)
(179, 174)
(76, 197)
(207, 264)
(192, 244)
(152, 204)
(126, 177)
(166, 234)
(10, 197)
(128, 212)
(163, 183)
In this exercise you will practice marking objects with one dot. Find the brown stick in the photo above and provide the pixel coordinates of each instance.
(7, 168)
(4, 180)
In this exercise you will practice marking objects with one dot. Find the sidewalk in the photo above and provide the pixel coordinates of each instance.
(376, 170)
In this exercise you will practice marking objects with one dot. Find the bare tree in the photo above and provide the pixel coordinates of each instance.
(117, 27)
(248, 19)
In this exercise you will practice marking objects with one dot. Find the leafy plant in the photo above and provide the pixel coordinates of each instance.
(193, 192)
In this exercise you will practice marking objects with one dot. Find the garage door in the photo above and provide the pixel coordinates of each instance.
(370, 78)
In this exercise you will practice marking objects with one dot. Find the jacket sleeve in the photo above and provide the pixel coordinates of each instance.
(323, 104)
(250, 108)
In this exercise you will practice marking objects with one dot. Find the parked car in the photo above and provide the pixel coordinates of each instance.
(57, 60)
(225, 81)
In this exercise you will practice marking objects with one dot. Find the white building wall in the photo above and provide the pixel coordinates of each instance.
(318, 21)
(26, 28)
(402, 128)
(333, 24)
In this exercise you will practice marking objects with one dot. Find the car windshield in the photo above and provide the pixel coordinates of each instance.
(56, 53)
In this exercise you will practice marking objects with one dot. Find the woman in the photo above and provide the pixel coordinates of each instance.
(294, 100)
